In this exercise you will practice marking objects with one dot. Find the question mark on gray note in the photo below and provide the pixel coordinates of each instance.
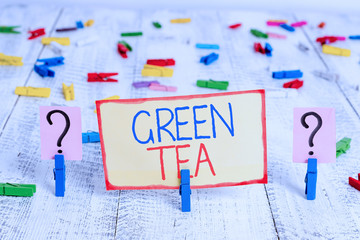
(67, 125)
(313, 133)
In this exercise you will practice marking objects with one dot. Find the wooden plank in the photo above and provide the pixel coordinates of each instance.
(28, 17)
(221, 213)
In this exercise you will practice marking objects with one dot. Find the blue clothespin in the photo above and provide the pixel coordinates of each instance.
(90, 137)
(268, 49)
(185, 190)
(56, 61)
(310, 179)
(287, 27)
(355, 37)
(44, 71)
(79, 24)
(207, 46)
(209, 58)
(59, 175)
(287, 74)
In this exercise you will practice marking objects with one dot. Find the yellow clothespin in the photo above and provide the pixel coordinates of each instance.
(278, 20)
(68, 91)
(110, 98)
(10, 60)
(89, 23)
(336, 51)
(65, 41)
(180, 20)
(156, 71)
(33, 92)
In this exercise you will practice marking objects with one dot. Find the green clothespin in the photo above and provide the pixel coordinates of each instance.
(126, 45)
(258, 34)
(342, 146)
(20, 190)
(8, 29)
(131, 34)
(221, 85)
(156, 24)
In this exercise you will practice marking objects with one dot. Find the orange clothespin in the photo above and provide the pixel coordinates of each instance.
(101, 77)
(37, 33)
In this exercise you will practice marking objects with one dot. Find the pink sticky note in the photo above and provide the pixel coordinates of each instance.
(324, 140)
(50, 134)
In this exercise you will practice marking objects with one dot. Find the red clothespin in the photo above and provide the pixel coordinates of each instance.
(294, 84)
(259, 48)
(355, 183)
(101, 77)
(122, 50)
(327, 39)
(161, 62)
(234, 26)
(37, 33)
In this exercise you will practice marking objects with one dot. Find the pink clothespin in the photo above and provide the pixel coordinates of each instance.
(275, 35)
(299, 24)
(275, 23)
(158, 87)
(37, 33)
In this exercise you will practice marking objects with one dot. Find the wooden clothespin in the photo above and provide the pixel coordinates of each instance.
(101, 77)
(310, 179)
(37, 33)
(143, 84)
(185, 190)
(294, 84)
(220, 85)
(355, 183)
(156, 71)
(336, 51)
(212, 57)
(8, 29)
(59, 175)
(69, 92)
(19, 190)
(161, 62)
(33, 92)
(180, 20)
(10, 60)
(158, 87)
(89, 23)
(65, 41)
(90, 137)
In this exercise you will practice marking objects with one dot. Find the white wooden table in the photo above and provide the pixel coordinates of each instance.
(277, 210)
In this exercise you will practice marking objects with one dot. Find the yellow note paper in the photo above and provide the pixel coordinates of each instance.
(33, 92)
(65, 41)
(336, 51)
(110, 98)
(180, 20)
(10, 60)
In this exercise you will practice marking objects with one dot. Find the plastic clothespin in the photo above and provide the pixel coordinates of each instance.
(294, 84)
(275, 35)
(8, 29)
(126, 45)
(276, 22)
(90, 137)
(65, 41)
(161, 62)
(79, 24)
(268, 50)
(299, 24)
(287, 74)
(207, 60)
(50, 62)
(355, 37)
(207, 46)
(33, 92)
(18, 190)
(101, 77)
(321, 25)
(36, 33)
(89, 23)
(234, 26)
(220, 85)
(131, 34)
(258, 33)
(156, 24)
(122, 50)
(156, 71)
(352, 181)
(143, 84)
(44, 71)
(287, 27)
(66, 29)
(302, 47)
(180, 20)
(310, 179)
(59, 175)
(164, 88)
(68, 92)
(342, 146)
(327, 49)
(185, 190)
(259, 48)
(10, 60)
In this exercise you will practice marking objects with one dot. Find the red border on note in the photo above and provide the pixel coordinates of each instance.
(110, 186)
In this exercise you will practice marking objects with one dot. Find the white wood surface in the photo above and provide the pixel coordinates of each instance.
(277, 210)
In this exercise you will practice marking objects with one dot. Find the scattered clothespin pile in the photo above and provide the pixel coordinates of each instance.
(296, 84)
(267, 50)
